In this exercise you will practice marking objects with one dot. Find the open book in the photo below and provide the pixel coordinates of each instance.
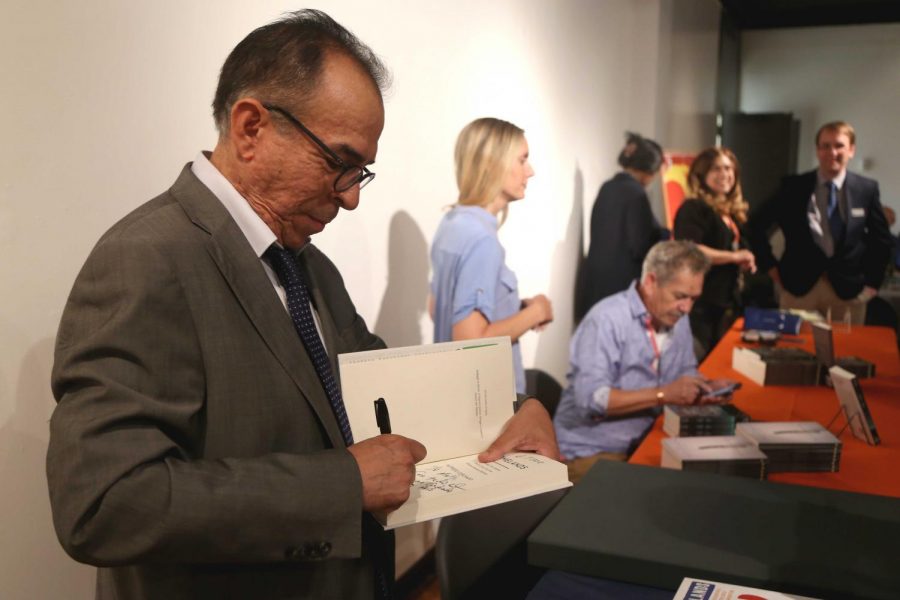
(454, 398)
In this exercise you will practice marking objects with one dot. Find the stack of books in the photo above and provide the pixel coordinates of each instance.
(724, 454)
(794, 445)
(705, 419)
(776, 366)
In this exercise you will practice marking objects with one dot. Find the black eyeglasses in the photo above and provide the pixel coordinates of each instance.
(350, 175)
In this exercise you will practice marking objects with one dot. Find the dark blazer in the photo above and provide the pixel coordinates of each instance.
(623, 229)
(193, 452)
(696, 221)
(859, 260)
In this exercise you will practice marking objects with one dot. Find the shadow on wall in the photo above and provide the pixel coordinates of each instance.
(552, 350)
(28, 527)
(406, 295)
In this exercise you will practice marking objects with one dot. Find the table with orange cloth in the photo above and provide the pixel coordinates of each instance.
(863, 468)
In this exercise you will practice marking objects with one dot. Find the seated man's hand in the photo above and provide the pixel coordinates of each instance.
(529, 430)
(717, 384)
(685, 390)
(387, 466)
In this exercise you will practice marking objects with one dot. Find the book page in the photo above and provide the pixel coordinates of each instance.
(447, 487)
(453, 397)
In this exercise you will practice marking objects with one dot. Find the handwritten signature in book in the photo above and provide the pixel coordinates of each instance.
(440, 478)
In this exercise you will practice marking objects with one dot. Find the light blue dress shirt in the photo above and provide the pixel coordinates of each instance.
(469, 273)
(611, 349)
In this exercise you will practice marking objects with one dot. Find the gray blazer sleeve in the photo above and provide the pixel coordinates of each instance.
(177, 436)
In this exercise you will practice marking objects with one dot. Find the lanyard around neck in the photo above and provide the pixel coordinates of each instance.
(730, 224)
(651, 335)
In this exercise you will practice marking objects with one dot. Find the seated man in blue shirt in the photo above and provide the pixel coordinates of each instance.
(633, 353)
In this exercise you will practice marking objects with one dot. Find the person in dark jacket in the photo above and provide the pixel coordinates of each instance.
(713, 219)
(623, 227)
(837, 243)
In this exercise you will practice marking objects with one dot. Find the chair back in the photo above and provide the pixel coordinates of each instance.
(544, 387)
(482, 553)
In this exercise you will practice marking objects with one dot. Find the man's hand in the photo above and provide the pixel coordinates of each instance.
(867, 293)
(387, 466)
(542, 310)
(529, 430)
(685, 390)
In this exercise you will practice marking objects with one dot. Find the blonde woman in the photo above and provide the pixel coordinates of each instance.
(713, 219)
(473, 293)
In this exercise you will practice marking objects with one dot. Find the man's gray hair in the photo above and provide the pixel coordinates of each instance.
(666, 259)
(281, 62)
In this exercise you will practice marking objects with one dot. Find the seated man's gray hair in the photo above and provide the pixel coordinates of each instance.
(666, 259)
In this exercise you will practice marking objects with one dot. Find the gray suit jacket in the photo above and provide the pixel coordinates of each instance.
(193, 452)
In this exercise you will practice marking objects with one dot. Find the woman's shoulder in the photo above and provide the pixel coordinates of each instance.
(465, 229)
(623, 182)
(695, 207)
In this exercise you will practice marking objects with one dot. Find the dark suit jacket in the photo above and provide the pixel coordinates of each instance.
(623, 229)
(193, 452)
(859, 260)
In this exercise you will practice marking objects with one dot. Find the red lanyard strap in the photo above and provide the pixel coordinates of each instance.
(652, 336)
(729, 222)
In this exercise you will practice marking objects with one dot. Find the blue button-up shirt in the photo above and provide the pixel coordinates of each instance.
(469, 273)
(612, 349)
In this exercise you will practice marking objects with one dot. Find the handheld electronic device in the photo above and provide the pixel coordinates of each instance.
(723, 391)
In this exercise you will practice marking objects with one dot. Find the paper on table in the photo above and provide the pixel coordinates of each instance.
(696, 589)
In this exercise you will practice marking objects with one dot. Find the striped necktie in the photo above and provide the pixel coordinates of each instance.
(834, 213)
(285, 265)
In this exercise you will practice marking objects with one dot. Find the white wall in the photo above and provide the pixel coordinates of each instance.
(821, 74)
(104, 102)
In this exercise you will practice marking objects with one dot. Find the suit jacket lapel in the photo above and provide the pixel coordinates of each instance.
(246, 277)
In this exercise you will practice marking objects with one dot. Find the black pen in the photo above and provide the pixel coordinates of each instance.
(382, 416)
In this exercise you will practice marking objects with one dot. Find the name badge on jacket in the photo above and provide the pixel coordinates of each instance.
(857, 212)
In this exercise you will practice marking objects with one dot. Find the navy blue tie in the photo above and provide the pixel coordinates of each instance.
(285, 264)
(834, 213)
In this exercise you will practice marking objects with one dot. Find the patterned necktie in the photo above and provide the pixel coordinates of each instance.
(285, 265)
(834, 213)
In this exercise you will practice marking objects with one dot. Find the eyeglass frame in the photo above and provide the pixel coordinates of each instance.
(364, 175)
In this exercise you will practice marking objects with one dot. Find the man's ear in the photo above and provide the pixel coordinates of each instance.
(249, 119)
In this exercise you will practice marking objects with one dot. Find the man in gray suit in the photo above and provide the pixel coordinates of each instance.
(199, 448)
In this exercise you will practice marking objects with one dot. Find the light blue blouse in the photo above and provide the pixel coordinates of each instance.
(468, 273)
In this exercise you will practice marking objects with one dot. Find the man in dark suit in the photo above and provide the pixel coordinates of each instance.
(837, 243)
(200, 448)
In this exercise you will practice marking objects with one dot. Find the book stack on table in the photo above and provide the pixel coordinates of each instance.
(776, 366)
(700, 420)
(794, 445)
(724, 454)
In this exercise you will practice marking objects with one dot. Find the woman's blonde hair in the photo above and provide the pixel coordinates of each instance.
(733, 204)
(485, 150)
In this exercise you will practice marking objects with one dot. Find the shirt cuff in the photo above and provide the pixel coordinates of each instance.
(600, 399)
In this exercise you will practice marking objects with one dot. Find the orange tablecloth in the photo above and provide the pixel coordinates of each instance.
(864, 468)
